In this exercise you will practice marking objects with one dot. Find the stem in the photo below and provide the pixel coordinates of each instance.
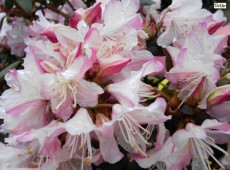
(161, 93)
(104, 105)
(71, 5)
(67, 17)
(4, 47)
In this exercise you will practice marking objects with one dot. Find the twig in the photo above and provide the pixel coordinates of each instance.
(52, 8)
(71, 5)
(104, 105)
(161, 93)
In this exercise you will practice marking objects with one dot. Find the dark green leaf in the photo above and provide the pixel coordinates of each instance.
(146, 2)
(26, 5)
(8, 68)
(56, 2)
(169, 63)
(9, 4)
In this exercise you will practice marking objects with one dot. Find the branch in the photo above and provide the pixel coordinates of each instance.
(52, 8)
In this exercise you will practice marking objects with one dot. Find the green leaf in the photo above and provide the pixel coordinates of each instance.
(9, 4)
(26, 5)
(147, 2)
(56, 2)
(8, 68)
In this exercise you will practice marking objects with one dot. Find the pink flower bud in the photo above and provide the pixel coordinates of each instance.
(219, 95)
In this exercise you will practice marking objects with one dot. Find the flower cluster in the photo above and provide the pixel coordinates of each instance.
(84, 96)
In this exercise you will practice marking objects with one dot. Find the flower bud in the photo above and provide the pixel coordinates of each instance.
(219, 95)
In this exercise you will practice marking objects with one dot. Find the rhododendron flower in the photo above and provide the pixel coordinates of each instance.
(129, 120)
(191, 75)
(136, 90)
(65, 88)
(219, 95)
(185, 60)
(181, 18)
(13, 34)
(199, 140)
(193, 141)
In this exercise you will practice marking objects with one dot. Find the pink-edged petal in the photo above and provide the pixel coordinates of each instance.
(219, 19)
(130, 95)
(78, 68)
(68, 37)
(35, 116)
(219, 95)
(214, 27)
(10, 160)
(80, 123)
(156, 155)
(113, 23)
(31, 62)
(162, 136)
(112, 65)
(220, 112)
(130, 6)
(179, 159)
(93, 38)
(93, 14)
(220, 42)
(219, 131)
(169, 36)
(108, 144)
(65, 110)
(153, 114)
(25, 89)
(225, 30)
(43, 27)
(77, 52)
(214, 124)
(176, 55)
(87, 95)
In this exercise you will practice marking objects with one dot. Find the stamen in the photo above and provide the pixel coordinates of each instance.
(67, 85)
(201, 147)
(39, 159)
(147, 134)
(191, 83)
(81, 143)
(130, 129)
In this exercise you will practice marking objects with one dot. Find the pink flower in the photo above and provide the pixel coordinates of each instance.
(67, 89)
(193, 142)
(219, 95)
(163, 149)
(15, 37)
(220, 111)
(44, 27)
(196, 64)
(180, 18)
(14, 157)
(132, 90)
(191, 73)
(22, 101)
(199, 139)
(129, 131)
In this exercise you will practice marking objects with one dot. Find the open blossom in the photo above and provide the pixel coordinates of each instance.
(13, 34)
(192, 142)
(135, 93)
(218, 103)
(196, 64)
(182, 17)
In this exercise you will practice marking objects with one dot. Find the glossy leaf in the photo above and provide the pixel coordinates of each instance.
(8, 68)
(26, 5)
